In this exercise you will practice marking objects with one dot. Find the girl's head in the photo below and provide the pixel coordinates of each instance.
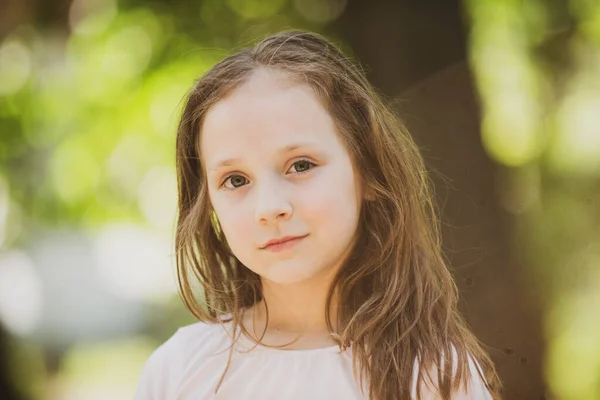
(289, 174)
(289, 139)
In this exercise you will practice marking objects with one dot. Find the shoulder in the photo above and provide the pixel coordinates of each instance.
(165, 366)
(475, 388)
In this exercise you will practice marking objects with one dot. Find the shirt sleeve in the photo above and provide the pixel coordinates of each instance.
(476, 388)
(158, 374)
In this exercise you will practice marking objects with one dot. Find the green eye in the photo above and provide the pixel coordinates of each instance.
(305, 167)
(306, 163)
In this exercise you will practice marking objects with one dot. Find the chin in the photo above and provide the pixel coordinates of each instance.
(285, 275)
(287, 279)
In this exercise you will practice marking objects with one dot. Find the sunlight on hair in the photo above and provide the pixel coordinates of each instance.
(214, 219)
(136, 263)
(15, 66)
(21, 294)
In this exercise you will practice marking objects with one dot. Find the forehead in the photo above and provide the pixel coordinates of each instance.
(265, 114)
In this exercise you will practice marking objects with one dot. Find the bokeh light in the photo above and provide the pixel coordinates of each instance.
(15, 65)
(91, 17)
(540, 92)
(20, 293)
(136, 264)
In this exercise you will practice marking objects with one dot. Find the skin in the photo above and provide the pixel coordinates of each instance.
(269, 193)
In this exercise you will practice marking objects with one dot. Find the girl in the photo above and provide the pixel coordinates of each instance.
(306, 218)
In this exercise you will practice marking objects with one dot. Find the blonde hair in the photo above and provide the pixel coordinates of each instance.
(398, 300)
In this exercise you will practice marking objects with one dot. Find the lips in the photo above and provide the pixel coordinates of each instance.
(274, 242)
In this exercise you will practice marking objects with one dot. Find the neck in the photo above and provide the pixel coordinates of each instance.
(295, 312)
(295, 308)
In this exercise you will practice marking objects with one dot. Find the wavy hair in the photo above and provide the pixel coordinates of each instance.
(399, 302)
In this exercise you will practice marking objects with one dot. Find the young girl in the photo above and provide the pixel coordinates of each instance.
(307, 221)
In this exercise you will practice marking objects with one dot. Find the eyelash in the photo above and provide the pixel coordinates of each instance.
(295, 162)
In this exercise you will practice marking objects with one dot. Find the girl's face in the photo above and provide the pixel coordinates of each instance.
(288, 174)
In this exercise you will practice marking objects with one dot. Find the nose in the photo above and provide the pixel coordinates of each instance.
(272, 203)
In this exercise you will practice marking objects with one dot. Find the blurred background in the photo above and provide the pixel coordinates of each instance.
(502, 96)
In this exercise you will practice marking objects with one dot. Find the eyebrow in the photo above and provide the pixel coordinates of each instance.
(286, 149)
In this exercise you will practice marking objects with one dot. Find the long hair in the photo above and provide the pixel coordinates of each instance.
(397, 299)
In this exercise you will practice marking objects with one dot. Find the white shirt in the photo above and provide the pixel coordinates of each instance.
(190, 363)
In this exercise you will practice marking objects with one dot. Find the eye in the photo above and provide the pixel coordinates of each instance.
(302, 166)
(306, 165)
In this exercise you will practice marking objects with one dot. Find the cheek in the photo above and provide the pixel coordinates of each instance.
(236, 227)
(332, 207)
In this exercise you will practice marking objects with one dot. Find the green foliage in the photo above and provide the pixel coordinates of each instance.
(85, 117)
